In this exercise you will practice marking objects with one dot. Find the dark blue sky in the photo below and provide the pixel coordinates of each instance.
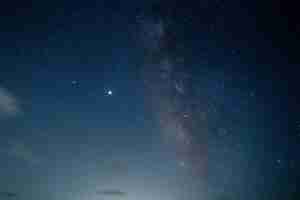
(200, 102)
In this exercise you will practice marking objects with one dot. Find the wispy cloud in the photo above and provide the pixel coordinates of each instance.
(112, 192)
(8, 103)
(8, 194)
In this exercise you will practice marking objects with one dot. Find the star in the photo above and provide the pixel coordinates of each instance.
(182, 164)
(109, 92)
(278, 161)
(74, 82)
(185, 115)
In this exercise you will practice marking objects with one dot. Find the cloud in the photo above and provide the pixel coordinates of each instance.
(112, 192)
(8, 194)
(8, 103)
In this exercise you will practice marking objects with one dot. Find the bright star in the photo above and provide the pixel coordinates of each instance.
(109, 92)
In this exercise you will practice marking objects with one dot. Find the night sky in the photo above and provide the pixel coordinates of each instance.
(143, 100)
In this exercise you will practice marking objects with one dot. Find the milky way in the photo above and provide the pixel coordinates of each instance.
(164, 100)
(189, 116)
(169, 95)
